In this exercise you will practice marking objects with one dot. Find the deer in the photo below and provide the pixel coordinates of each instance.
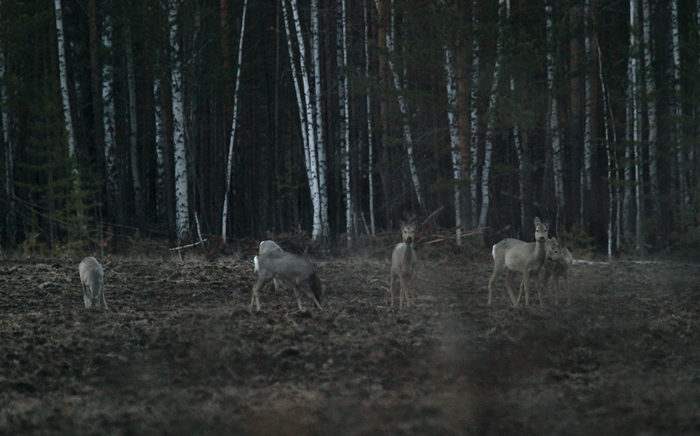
(92, 281)
(267, 247)
(290, 269)
(519, 256)
(557, 263)
(403, 264)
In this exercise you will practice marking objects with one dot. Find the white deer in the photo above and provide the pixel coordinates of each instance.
(519, 256)
(268, 246)
(403, 264)
(92, 281)
(558, 261)
(292, 270)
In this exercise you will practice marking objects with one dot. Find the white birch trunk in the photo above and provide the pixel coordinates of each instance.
(588, 106)
(180, 153)
(676, 103)
(160, 150)
(369, 122)
(474, 122)
(344, 108)
(453, 121)
(553, 133)
(108, 119)
(63, 75)
(637, 132)
(306, 109)
(518, 147)
(318, 113)
(650, 84)
(229, 164)
(408, 137)
(610, 138)
(133, 131)
(488, 144)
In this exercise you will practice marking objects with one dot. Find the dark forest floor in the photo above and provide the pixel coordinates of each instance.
(179, 354)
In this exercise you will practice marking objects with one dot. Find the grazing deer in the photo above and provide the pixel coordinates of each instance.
(519, 256)
(92, 281)
(267, 247)
(558, 261)
(293, 270)
(403, 263)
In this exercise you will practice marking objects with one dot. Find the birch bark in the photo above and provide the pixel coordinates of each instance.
(344, 108)
(650, 85)
(474, 121)
(180, 152)
(229, 165)
(493, 99)
(453, 122)
(676, 103)
(553, 125)
(63, 75)
(369, 122)
(408, 137)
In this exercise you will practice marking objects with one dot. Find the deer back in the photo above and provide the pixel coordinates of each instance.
(92, 275)
(284, 266)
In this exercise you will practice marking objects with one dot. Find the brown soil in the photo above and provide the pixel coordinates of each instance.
(179, 354)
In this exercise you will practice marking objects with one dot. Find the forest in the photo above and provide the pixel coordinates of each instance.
(180, 120)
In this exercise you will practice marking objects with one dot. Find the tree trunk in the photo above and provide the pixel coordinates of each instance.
(133, 131)
(553, 124)
(229, 165)
(407, 135)
(344, 109)
(179, 150)
(109, 123)
(63, 74)
(8, 140)
(493, 99)
(650, 85)
(677, 106)
(453, 122)
(318, 112)
(370, 143)
(474, 122)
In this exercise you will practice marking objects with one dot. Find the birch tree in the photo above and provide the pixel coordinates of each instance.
(344, 108)
(180, 154)
(305, 105)
(109, 122)
(453, 122)
(63, 75)
(403, 107)
(368, 102)
(493, 99)
(650, 88)
(610, 139)
(229, 166)
(677, 109)
(474, 120)
(588, 109)
(318, 112)
(160, 149)
(553, 116)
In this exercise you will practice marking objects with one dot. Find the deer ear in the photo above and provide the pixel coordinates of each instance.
(402, 224)
(537, 221)
(554, 240)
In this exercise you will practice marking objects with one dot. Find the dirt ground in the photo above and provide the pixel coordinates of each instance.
(179, 353)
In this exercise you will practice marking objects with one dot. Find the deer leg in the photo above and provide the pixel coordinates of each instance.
(526, 285)
(497, 270)
(296, 293)
(255, 298)
(539, 293)
(509, 287)
(402, 292)
(104, 302)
